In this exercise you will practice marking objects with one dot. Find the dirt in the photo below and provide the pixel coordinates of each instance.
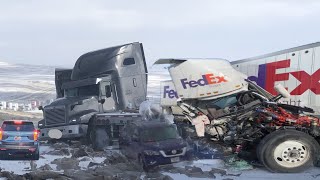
(114, 165)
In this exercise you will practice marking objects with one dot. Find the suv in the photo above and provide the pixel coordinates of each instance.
(19, 138)
(152, 143)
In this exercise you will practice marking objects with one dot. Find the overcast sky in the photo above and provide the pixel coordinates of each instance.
(57, 32)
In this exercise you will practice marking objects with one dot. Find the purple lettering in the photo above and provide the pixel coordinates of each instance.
(184, 82)
(193, 83)
(165, 91)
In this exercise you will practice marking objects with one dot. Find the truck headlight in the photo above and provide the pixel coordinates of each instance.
(40, 124)
(151, 153)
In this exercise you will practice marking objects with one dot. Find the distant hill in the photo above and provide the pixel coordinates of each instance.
(23, 83)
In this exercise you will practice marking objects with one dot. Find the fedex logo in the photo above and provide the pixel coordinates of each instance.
(205, 80)
(170, 93)
(267, 76)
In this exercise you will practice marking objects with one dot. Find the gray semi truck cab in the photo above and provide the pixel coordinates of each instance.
(99, 95)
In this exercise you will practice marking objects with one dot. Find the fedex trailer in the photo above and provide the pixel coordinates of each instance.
(297, 69)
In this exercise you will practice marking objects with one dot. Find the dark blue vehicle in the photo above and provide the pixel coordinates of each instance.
(153, 143)
(19, 139)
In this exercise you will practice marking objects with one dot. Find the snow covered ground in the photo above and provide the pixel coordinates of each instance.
(257, 173)
(22, 167)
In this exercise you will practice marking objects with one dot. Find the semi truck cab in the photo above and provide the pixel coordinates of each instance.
(103, 91)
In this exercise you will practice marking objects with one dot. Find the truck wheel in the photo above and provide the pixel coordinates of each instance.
(99, 138)
(288, 151)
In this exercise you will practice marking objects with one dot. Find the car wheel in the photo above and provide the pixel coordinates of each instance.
(288, 151)
(3, 156)
(36, 156)
(99, 138)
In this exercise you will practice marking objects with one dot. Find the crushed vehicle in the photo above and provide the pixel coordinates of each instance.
(226, 107)
(98, 96)
(153, 143)
(19, 139)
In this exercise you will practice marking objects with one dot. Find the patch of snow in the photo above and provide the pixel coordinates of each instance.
(98, 159)
(84, 164)
(204, 164)
(18, 167)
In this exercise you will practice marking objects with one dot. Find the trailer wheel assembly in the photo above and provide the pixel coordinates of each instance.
(288, 151)
(99, 138)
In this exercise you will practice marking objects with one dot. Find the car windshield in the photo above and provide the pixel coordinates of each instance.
(20, 126)
(159, 134)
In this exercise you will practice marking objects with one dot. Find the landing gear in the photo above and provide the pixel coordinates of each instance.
(98, 137)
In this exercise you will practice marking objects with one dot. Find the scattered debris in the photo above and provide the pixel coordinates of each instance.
(81, 152)
(234, 163)
(115, 159)
(66, 163)
(60, 152)
(45, 167)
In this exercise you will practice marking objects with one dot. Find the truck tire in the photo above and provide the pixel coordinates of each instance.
(288, 151)
(99, 138)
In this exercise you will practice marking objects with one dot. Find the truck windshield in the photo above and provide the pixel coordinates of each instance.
(92, 90)
(155, 134)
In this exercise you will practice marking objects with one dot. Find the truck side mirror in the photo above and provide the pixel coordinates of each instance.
(281, 90)
(282, 93)
(40, 108)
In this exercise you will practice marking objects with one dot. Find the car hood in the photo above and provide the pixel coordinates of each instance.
(165, 145)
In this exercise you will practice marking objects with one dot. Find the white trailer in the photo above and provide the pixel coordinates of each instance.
(297, 69)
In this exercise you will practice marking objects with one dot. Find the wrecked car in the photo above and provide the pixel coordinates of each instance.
(152, 143)
(226, 107)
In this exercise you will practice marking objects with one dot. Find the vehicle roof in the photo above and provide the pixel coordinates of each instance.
(307, 46)
(12, 120)
(150, 124)
(5, 121)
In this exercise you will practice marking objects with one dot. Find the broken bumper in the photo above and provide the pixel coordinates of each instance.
(160, 160)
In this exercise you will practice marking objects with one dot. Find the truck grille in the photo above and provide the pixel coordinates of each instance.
(55, 116)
